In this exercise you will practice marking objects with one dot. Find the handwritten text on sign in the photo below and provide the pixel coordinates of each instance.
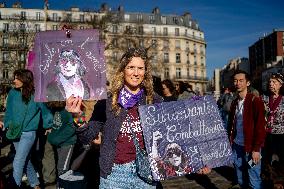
(184, 136)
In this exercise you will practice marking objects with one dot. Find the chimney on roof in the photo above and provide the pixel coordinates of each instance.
(17, 5)
(75, 9)
(187, 15)
(120, 8)
(2, 5)
(104, 7)
(156, 10)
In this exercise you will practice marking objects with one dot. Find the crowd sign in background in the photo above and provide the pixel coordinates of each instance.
(183, 136)
(64, 65)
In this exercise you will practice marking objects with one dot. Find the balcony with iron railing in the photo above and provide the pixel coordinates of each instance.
(21, 18)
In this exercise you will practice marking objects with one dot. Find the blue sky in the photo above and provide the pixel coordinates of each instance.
(230, 26)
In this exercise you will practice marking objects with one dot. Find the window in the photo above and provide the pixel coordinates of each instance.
(195, 60)
(5, 74)
(164, 19)
(54, 27)
(5, 57)
(166, 44)
(201, 49)
(37, 27)
(22, 41)
(195, 74)
(22, 27)
(139, 17)
(5, 40)
(165, 31)
(187, 58)
(178, 58)
(114, 42)
(37, 15)
(187, 46)
(154, 58)
(175, 20)
(140, 30)
(54, 17)
(166, 57)
(154, 43)
(114, 29)
(6, 27)
(178, 73)
(153, 30)
(185, 32)
(141, 43)
(114, 56)
(127, 29)
(128, 43)
(187, 72)
(167, 73)
(22, 56)
(152, 19)
(82, 18)
(68, 17)
(176, 31)
(126, 17)
(23, 15)
(202, 61)
(177, 44)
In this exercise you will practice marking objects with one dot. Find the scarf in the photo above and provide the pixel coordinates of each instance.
(128, 99)
(273, 104)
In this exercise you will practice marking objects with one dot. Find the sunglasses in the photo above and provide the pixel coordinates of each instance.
(173, 152)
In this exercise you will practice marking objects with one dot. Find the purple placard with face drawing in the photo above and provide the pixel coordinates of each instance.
(183, 136)
(64, 66)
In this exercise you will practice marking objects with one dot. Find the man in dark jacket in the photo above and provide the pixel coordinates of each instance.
(246, 132)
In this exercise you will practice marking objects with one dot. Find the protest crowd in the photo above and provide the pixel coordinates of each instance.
(65, 143)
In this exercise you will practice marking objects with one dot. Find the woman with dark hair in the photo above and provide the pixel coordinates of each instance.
(131, 86)
(182, 91)
(22, 110)
(168, 91)
(274, 105)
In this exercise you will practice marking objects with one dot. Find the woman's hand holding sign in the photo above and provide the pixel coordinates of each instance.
(73, 104)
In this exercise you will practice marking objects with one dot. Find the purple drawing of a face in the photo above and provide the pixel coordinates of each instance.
(69, 64)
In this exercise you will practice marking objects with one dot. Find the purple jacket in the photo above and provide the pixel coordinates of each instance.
(104, 119)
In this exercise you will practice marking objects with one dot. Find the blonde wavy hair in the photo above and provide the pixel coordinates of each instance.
(118, 78)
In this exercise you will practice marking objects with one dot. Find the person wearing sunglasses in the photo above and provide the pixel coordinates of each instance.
(69, 71)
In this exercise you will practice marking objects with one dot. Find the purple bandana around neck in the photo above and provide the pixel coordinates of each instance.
(127, 99)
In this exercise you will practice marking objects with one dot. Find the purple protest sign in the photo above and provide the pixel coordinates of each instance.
(183, 136)
(64, 66)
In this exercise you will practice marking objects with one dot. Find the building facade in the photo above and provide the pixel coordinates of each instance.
(239, 63)
(267, 52)
(176, 44)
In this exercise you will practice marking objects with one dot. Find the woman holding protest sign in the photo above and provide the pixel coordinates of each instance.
(22, 118)
(132, 86)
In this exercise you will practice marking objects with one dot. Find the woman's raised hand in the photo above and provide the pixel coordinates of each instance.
(73, 104)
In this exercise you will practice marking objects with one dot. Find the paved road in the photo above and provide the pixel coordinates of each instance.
(219, 178)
